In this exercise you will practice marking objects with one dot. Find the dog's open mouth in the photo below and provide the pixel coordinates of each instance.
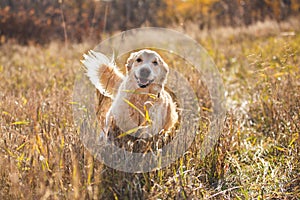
(143, 82)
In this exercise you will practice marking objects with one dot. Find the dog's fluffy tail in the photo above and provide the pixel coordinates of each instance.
(103, 73)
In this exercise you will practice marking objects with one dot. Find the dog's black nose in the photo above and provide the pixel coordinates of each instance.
(144, 72)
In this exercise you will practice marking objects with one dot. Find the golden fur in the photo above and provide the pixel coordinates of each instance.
(140, 104)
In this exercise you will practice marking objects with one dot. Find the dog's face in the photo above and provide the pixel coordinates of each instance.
(147, 67)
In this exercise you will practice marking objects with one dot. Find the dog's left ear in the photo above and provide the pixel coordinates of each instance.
(130, 61)
(166, 67)
(165, 72)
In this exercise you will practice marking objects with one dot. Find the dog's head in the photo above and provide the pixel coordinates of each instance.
(147, 67)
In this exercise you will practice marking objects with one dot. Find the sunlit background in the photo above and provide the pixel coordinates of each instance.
(44, 20)
(255, 46)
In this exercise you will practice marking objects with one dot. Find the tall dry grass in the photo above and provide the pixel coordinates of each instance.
(41, 155)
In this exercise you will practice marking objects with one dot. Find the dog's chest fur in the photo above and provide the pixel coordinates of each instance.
(132, 105)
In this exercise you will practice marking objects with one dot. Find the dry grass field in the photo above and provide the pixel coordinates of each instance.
(257, 156)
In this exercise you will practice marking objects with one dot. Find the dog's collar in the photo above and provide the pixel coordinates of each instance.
(152, 95)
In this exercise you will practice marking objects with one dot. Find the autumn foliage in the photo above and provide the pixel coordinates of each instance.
(45, 20)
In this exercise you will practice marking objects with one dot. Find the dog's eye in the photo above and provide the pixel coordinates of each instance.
(155, 62)
(139, 60)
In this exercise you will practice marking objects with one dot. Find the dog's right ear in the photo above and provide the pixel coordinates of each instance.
(130, 61)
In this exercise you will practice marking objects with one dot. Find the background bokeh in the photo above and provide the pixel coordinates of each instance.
(44, 20)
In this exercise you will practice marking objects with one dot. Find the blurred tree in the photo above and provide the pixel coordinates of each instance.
(43, 20)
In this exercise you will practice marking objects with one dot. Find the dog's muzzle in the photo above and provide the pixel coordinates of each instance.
(143, 82)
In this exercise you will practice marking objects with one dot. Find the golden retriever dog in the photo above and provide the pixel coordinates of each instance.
(140, 106)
